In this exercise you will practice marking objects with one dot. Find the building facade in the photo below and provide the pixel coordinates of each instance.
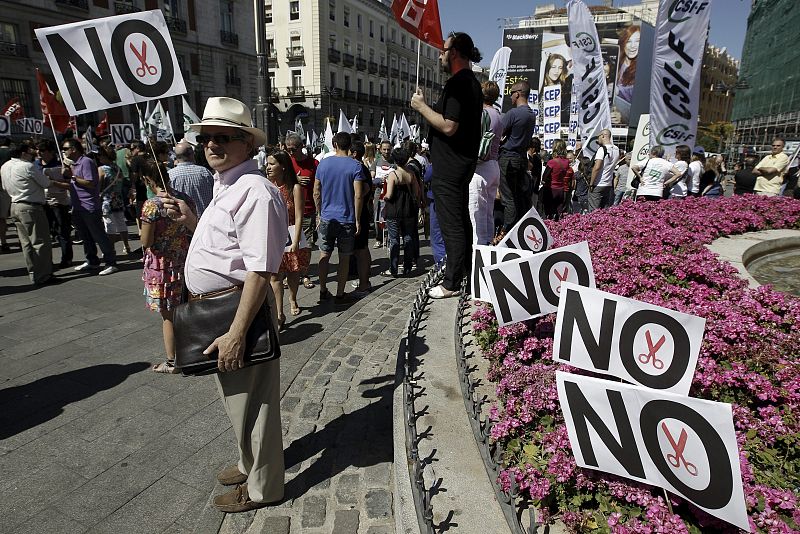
(327, 55)
(718, 80)
(214, 41)
(767, 102)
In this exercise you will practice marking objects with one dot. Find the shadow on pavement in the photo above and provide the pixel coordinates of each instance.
(360, 438)
(27, 406)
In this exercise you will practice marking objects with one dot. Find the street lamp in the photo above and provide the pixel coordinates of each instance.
(331, 93)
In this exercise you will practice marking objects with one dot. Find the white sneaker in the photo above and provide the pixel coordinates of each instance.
(111, 269)
(86, 266)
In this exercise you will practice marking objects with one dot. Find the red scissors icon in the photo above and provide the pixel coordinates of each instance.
(142, 57)
(676, 459)
(652, 350)
(535, 240)
(561, 277)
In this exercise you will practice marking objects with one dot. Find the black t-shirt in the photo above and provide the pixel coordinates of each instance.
(461, 101)
(135, 173)
(745, 182)
(706, 179)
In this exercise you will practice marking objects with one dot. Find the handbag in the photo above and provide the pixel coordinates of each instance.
(199, 322)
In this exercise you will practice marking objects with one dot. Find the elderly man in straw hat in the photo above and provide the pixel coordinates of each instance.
(239, 241)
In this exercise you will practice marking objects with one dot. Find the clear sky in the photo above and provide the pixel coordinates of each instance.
(479, 18)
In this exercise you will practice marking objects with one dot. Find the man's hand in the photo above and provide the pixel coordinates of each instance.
(358, 227)
(418, 100)
(303, 180)
(178, 210)
(231, 352)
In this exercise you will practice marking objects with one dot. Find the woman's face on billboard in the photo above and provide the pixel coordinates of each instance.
(632, 46)
(556, 69)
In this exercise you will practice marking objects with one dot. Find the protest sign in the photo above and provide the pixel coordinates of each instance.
(530, 233)
(31, 125)
(5, 125)
(638, 342)
(143, 63)
(684, 445)
(551, 115)
(482, 256)
(122, 134)
(641, 145)
(529, 287)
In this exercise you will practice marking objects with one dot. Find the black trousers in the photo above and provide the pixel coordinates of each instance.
(61, 228)
(451, 196)
(514, 188)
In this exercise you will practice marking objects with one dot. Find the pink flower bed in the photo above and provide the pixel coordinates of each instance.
(654, 252)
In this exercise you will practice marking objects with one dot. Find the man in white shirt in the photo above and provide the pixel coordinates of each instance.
(696, 168)
(771, 169)
(601, 186)
(26, 185)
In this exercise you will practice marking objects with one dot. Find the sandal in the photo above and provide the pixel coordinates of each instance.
(166, 367)
(388, 274)
(294, 308)
(307, 283)
(285, 284)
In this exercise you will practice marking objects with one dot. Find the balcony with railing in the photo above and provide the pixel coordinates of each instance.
(294, 53)
(272, 58)
(334, 56)
(384, 101)
(374, 99)
(80, 4)
(398, 102)
(383, 70)
(362, 97)
(13, 49)
(176, 24)
(349, 95)
(229, 38)
(429, 83)
(395, 72)
(372, 67)
(233, 81)
(124, 8)
(361, 63)
(296, 91)
(348, 60)
(404, 76)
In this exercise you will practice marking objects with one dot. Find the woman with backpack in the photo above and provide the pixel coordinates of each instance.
(401, 213)
(485, 181)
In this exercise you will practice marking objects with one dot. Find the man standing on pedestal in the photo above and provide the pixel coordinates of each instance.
(455, 138)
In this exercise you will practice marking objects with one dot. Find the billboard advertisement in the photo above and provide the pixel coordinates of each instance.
(541, 55)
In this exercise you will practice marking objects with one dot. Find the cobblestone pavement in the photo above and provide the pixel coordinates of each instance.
(92, 441)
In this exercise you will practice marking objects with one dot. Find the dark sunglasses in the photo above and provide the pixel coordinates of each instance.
(219, 139)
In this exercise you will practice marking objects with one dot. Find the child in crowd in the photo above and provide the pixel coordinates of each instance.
(165, 244)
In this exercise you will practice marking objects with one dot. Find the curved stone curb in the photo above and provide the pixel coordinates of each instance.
(739, 250)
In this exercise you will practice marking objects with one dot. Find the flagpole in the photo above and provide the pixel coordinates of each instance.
(153, 150)
(419, 50)
(55, 136)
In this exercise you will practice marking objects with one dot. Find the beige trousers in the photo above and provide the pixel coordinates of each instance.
(251, 397)
(34, 238)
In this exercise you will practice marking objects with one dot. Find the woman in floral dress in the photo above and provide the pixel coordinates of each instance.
(297, 254)
(165, 244)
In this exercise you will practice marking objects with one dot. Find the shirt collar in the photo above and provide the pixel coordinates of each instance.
(230, 176)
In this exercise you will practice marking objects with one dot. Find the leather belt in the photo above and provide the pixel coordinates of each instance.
(200, 296)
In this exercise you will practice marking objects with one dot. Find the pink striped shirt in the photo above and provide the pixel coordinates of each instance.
(243, 229)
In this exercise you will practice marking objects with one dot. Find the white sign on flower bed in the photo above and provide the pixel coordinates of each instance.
(684, 445)
(638, 342)
(529, 287)
(530, 233)
(482, 256)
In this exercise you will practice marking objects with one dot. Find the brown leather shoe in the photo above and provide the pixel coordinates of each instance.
(236, 501)
(230, 476)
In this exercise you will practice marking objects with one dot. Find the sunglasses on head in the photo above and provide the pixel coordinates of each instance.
(219, 139)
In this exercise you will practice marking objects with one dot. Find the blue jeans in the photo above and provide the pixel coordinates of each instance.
(405, 228)
(90, 227)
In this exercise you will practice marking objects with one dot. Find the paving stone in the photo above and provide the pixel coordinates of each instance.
(330, 413)
(310, 369)
(348, 489)
(341, 352)
(378, 503)
(314, 511)
(332, 367)
(276, 525)
(288, 404)
(358, 316)
(322, 379)
(346, 522)
(346, 374)
(378, 476)
(337, 393)
(380, 529)
(315, 394)
(378, 327)
(350, 340)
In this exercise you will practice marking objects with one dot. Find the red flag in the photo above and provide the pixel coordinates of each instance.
(13, 110)
(102, 128)
(52, 106)
(421, 18)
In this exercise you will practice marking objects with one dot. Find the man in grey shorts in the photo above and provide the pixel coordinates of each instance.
(339, 186)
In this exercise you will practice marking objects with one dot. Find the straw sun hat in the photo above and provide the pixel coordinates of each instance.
(224, 111)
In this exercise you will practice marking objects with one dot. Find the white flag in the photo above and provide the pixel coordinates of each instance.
(144, 128)
(382, 134)
(328, 141)
(298, 127)
(675, 80)
(498, 72)
(344, 124)
(189, 118)
(405, 129)
(594, 114)
(395, 132)
(314, 138)
(354, 124)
